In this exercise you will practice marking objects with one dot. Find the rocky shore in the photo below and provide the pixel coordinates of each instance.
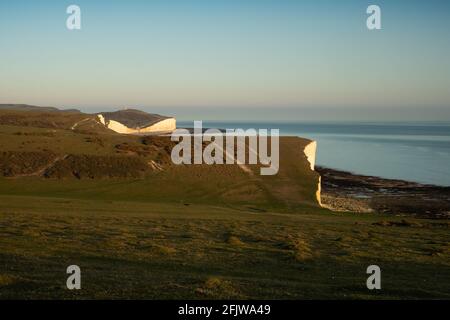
(345, 191)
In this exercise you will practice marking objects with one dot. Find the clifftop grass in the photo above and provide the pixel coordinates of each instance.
(169, 250)
(190, 232)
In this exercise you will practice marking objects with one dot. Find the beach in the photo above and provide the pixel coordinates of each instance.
(345, 191)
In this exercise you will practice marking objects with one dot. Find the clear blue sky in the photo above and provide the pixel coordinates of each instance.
(231, 59)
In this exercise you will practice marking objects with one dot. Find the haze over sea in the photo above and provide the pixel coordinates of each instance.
(411, 151)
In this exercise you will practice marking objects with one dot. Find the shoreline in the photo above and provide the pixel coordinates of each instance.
(344, 191)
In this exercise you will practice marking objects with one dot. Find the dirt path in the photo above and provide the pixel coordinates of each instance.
(79, 122)
(244, 167)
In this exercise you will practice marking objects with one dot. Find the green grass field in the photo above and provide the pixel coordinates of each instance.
(192, 232)
(149, 250)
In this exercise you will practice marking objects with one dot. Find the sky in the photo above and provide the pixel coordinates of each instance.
(227, 60)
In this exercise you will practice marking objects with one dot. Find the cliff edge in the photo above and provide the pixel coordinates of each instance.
(310, 153)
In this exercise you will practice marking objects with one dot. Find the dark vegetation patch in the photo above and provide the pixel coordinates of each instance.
(163, 147)
(156, 148)
(410, 223)
(16, 163)
(134, 149)
(256, 209)
(36, 134)
(96, 140)
(159, 142)
(92, 167)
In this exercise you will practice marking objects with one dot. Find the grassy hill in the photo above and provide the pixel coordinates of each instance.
(44, 155)
(72, 192)
(27, 107)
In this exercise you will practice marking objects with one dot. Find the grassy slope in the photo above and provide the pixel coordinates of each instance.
(200, 232)
(293, 187)
(168, 250)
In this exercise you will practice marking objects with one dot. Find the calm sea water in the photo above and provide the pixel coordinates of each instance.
(409, 151)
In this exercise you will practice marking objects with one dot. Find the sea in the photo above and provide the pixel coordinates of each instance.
(412, 151)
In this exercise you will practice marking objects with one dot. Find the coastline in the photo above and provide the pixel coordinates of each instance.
(344, 191)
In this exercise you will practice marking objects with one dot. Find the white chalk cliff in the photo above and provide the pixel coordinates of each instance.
(310, 153)
(136, 122)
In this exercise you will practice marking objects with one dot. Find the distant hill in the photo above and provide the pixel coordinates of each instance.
(26, 107)
(131, 120)
(47, 117)
(122, 121)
